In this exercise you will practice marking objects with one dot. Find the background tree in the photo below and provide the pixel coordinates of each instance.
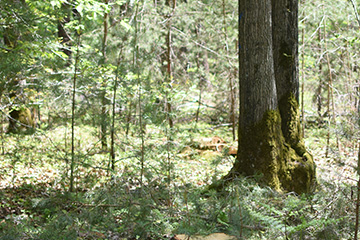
(104, 114)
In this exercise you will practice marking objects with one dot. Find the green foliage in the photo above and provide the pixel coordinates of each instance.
(123, 208)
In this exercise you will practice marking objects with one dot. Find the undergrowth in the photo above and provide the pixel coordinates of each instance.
(244, 209)
(35, 202)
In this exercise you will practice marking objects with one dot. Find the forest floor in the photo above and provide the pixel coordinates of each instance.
(35, 167)
(339, 166)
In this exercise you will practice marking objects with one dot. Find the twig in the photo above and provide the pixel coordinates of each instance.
(204, 47)
(357, 199)
(356, 12)
(9, 50)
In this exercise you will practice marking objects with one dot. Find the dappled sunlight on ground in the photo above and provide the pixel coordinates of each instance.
(340, 165)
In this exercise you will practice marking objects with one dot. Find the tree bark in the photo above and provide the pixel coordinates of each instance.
(62, 34)
(104, 115)
(257, 89)
(73, 105)
(270, 140)
(256, 71)
(169, 74)
(285, 45)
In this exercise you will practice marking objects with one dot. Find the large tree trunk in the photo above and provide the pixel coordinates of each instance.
(300, 165)
(270, 143)
(285, 46)
(257, 79)
(259, 120)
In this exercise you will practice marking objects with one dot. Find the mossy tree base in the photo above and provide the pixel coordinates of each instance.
(21, 121)
(264, 151)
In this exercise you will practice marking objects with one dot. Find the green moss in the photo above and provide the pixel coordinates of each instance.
(300, 174)
(299, 171)
(265, 151)
(289, 110)
(21, 120)
(260, 150)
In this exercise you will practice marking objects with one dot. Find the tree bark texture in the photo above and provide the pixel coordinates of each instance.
(257, 79)
(285, 47)
(62, 33)
(286, 61)
(104, 114)
(270, 140)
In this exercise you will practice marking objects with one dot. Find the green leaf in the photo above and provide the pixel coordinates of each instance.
(223, 218)
(80, 8)
(55, 4)
(125, 24)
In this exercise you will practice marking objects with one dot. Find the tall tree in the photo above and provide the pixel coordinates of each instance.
(104, 117)
(62, 33)
(270, 140)
(286, 65)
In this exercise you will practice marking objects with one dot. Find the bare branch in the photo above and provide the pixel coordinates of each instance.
(356, 12)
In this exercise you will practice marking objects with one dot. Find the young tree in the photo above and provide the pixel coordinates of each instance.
(270, 140)
(103, 115)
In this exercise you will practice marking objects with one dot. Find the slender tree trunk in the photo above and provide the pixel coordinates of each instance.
(199, 106)
(112, 130)
(232, 106)
(349, 76)
(103, 124)
(137, 73)
(330, 107)
(169, 75)
(2, 136)
(303, 83)
(73, 163)
(231, 83)
(169, 131)
(319, 89)
(357, 197)
(200, 86)
(128, 118)
(62, 33)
